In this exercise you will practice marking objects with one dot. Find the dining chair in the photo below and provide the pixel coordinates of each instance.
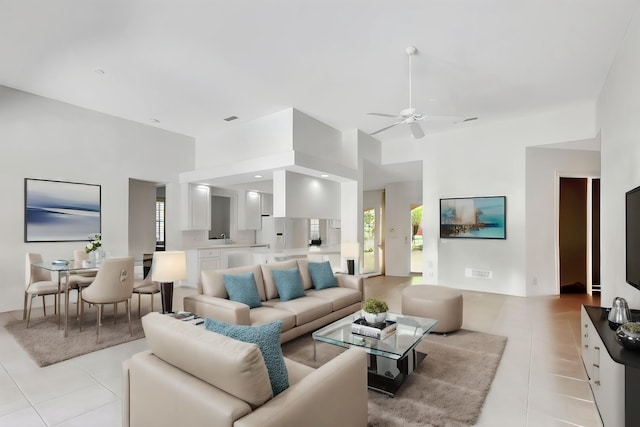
(79, 280)
(38, 283)
(146, 286)
(113, 284)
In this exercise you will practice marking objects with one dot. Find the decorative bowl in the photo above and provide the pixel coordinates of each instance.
(374, 318)
(628, 339)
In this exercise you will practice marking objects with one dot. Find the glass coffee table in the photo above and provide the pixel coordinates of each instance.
(392, 359)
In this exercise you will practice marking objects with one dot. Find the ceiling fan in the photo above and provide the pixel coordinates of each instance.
(410, 117)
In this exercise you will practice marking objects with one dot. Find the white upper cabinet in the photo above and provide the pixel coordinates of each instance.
(196, 207)
(252, 211)
(266, 204)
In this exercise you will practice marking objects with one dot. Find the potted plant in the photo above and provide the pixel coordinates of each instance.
(374, 311)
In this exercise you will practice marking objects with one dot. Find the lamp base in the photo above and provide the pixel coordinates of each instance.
(166, 296)
(351, 266)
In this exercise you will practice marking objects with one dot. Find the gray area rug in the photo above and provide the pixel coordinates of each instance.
(47, 345)
(448, 388)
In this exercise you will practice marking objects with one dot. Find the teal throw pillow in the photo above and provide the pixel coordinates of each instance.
(267, 337)
(289, 284)
(242, 288)
(322, 276)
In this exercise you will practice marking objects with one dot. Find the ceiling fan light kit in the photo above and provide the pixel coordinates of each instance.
(410, 117)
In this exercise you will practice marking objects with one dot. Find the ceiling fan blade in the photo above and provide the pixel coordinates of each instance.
(384, 115)
(416, 130)
(470, 118)
(443, 119)
(385, 128)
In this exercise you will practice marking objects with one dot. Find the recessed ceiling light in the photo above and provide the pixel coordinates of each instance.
(257, 176)
(324, 175)
(154, 120)
(230, 118)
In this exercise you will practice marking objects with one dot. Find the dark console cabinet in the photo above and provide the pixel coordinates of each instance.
(614, 371)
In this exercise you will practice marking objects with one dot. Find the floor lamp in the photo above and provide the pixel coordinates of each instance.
(166, 268)
(351, 251)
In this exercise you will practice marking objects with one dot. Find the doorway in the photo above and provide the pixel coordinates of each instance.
(416, 239)
(579, 235)
(370, 244)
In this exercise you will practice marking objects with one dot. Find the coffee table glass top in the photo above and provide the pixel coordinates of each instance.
(409, 332)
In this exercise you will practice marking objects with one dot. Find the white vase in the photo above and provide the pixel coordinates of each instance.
(374, 318)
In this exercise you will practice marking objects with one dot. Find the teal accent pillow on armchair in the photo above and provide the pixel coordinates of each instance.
(242, 288)
(289, 284)
(322, 276)
(267, 337)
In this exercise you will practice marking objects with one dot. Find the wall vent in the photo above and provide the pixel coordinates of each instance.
(479, 274)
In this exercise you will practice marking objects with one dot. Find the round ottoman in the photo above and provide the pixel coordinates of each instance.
(434, 302)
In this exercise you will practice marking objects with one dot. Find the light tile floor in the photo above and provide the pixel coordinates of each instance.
(540, 381)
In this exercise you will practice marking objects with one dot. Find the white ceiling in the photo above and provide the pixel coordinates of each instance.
(189, 64)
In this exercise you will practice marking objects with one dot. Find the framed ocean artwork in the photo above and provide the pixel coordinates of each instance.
(473, 217)
(59, 211)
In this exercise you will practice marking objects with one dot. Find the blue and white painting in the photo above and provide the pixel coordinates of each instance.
(58, 211)
(473, 217)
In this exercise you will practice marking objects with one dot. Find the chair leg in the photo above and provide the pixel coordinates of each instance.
(29, 312)
(139, 312)
(128, 308)
(81, 313)
(99, 321)
(24, 308)
(151, 302)
(44, 306)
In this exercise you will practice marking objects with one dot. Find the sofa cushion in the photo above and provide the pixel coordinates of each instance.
(213, 282)
(236, 367)
(262, 315)
(242, 288)
(303, 266)
(271, 291)
(288, 284)
(339, 297)
(267, 337)
(322, 275)
(306, 309)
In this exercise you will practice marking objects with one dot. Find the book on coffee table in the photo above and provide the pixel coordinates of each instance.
(378, 331)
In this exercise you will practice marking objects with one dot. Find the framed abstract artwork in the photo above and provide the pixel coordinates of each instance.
(58, 211)
(473, 217)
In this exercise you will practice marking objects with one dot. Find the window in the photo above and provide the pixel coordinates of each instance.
(160, 224)
(314, 231)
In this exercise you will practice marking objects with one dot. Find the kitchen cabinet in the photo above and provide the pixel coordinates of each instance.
(249, 206)
(196, 207)
(266, 204)
(202, 259)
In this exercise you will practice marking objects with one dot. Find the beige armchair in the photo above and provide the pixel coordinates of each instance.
(113, 284)
(38, 283)
(193, 377)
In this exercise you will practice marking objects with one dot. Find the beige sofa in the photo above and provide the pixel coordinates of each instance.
(193, 377)
(299, 316)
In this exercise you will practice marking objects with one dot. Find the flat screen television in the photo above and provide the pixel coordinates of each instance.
(632, 227)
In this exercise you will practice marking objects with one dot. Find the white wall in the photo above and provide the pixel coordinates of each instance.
(42, 138)
(544, 166)
(484, 159)
(618, 108)
(399, 196)
(306, 197)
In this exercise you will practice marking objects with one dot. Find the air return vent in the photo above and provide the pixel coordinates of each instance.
(478, 274)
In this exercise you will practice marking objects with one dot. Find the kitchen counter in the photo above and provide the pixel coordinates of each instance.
(234, 246)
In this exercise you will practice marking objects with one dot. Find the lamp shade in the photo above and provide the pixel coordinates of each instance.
(350, 249)
(169, 266)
